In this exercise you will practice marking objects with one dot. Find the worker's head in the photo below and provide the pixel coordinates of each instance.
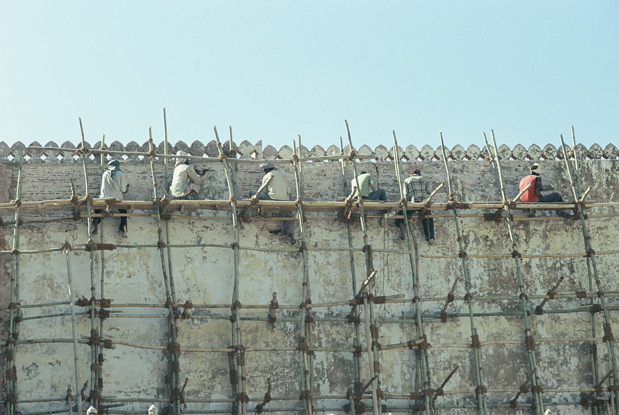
(363, 172)
(416, 171)
(267, 167)
(535, 169)
(181, 158)
(113, 163)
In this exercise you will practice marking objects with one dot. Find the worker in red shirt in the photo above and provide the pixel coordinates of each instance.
(534, 193)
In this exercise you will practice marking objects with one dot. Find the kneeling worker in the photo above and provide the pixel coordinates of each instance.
(275, 187)
(186, 180)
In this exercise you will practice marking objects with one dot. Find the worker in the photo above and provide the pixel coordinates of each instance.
(186, 179)
(534, 193)
(368, 189)
(416, 190)
(113, 185)
(275, 187)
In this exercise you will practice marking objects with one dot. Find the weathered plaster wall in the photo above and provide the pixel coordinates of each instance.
(134, 276)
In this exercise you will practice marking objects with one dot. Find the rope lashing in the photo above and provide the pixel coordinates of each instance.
(66, 247)
(151, 154)
(111, 201)
(161, 244)
(352, 155)
(16, 202)
(82, 150)
(14, 251)
(403, 202)
(295, 158)
(222, 157)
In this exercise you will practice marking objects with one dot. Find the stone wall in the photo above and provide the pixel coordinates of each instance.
(569, 349)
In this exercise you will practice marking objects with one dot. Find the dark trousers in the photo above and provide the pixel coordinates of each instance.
(426, 223)
(551, 198)
(287, 225)
(123, 219)
(378, 194)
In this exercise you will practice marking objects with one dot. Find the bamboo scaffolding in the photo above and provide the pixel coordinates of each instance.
(369, 268)
(14, 301)
(74, 332)
(480, 387)
(238, 388)
(305, 325)
(422, 370)
(363, 209)
(592, 265)
(536, 391)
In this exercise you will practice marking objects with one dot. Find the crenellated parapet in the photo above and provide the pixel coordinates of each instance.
(52, 152)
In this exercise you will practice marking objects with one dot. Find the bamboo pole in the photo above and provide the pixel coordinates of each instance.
(422, 370)
(592, 264)
(480, 387)
(305, 317)
(368, 267)
(238, 387)
(14, 304)
(536, 391)
(73, 330)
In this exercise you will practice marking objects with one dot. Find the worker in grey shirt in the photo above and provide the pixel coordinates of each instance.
(113, 185)
(368, 189)
(275, 187)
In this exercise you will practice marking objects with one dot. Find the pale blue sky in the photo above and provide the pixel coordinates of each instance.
(276, 69)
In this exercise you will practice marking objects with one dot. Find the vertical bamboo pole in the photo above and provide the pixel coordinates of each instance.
(241, 396)
(306, 292)
(368, 269)
(14, 303)
(94, 401)
(423, 368)
(592, 301)
(480, 387)
(354, 313)
(73, 330)
(539, 403)
(166, 182)
(608, 336)
(172, 380)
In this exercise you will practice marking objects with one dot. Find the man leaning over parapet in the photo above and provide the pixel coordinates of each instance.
(368, 189)
(534, 193)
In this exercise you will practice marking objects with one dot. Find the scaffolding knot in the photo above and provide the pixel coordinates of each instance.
(481, 390)
(595, 308)
(523, 389)
(93, 246)
(242, 397)
(309, 319)
(600, 293)
(11, 374)
(103, 314)
(428, 392)
(304, 347)
(357, 351)
(424, 345)
(108, 344)
(11, 398)
(161, 244)
(168, 302)
(66, 248)
(468, 297)
(530, 342)
(16, 202)
(232, 200)
(94, 339)
(537, 389)
(82, 150)
(235, 245)
(379, 299)
(303, 247)
(85, 200)
(14, 251)
(82, 302)
(221, 157)
(374, 331)
(608, 333)
(475, 341)
(516, 254)
(350, 318)
(416, 299)
(590, 252)
(450, 297)
(513, 404)
(377, 346)
(151, 154)
(462, 254)
(613, 388)
(294, 158)
(581, 294)
(174, 348)
(95, 367)
(352, 155)
(188, 305)
(403, 202)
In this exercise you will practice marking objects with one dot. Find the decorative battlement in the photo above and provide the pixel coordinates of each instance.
(52, 153)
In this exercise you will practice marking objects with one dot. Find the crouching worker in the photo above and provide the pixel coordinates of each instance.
(186, 180)
(113, 184)
(368, 189)
(416, 191)
(275, 187)
(534, 193)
